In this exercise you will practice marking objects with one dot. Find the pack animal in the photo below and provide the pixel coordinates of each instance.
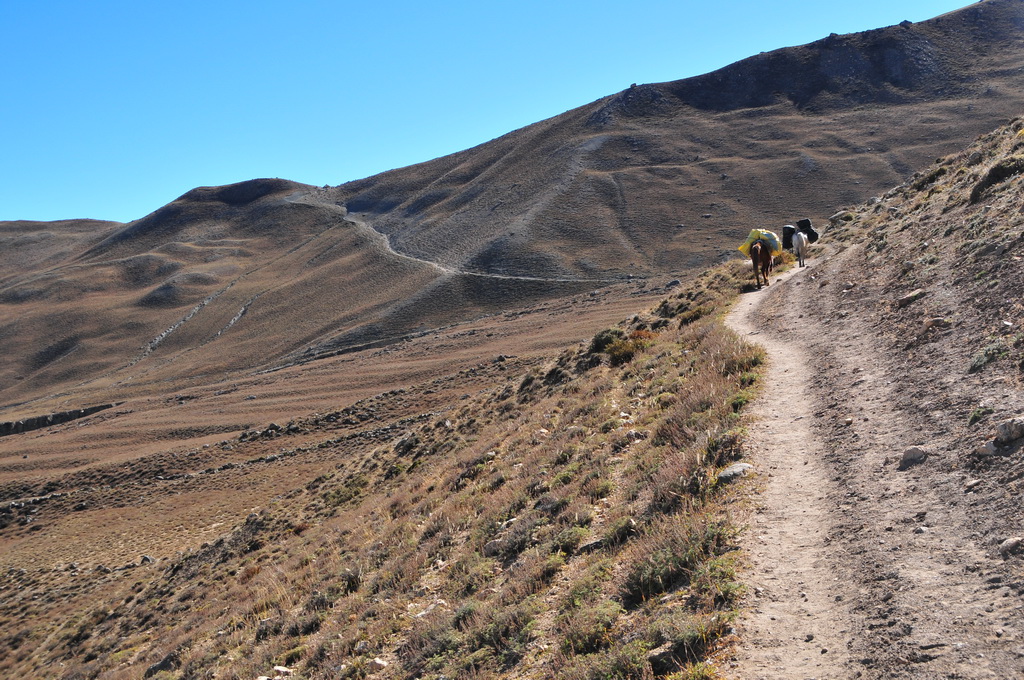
(761, 258)
(800, 243)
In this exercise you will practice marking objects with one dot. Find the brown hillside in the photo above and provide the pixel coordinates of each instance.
(664, 177)
(572, 515)
(657, 181)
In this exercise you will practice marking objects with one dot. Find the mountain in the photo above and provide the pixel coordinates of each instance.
(588, 513)
(657, 181)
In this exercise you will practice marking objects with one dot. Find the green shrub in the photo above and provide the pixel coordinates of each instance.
(569, 539)
(691, 636)
(621, 662)
(586, 630)
(603, 339)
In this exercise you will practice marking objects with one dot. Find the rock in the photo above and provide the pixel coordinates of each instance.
(910, 297)
(378, 664)
(636, 435)
(362, 646)
(734, 472)
(146, 559)
(987, 449)
(915, 455)
(168, 663)
(663, 659)
(1010, 431)
(937, 322)
(1011, 546)
(282, 670)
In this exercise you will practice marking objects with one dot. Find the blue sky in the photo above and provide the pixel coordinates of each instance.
(110, 110)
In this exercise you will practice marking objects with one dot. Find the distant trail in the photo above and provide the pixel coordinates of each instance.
(795, 625)
(385, 244)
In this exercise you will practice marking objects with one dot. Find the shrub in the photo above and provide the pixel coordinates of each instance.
(714, 584)
(603, 339)
(670, 555)
(691, 636)
(505, 631)
(569, 540)
(1000, 172)
(585, 631)
(622, 662)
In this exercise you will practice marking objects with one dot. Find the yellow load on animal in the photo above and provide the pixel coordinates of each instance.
(769, 237)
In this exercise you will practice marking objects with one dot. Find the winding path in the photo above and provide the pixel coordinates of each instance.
(795, 625)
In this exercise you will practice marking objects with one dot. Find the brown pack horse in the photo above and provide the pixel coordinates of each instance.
(761, 258)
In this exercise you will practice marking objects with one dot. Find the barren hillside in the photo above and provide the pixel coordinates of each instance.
(584, 516)
(657, 181)
(431, 425)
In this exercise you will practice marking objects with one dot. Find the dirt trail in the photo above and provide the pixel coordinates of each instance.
(796, 626)
(860, 567)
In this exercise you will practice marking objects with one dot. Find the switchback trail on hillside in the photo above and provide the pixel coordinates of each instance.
(855, 566)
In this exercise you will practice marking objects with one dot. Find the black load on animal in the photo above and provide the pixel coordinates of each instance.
(787, 236)
(804, 225)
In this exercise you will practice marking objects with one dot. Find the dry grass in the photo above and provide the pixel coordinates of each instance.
(509, 534)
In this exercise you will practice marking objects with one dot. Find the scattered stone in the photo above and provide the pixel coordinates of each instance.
(636, 435)
(987, 449)
(146, 559)
(971, 484)
(362, 646)
(1011, 546)
(937, 322)
(663, 659)
(910, 297)
(283, 670)
(1010, 431)
(734, 472)
(378, 664)
(915, 455)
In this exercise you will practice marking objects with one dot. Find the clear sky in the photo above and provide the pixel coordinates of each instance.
(111, 109)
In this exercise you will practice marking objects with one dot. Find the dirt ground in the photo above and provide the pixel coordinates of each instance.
(858, 569)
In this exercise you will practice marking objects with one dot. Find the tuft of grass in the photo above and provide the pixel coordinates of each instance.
(587, 630)
(979, 414)
(1000, 172)
(668, 556)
